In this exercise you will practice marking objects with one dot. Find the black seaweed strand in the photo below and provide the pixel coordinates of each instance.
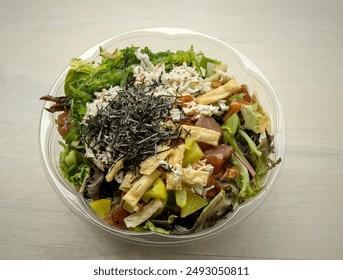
(130, 127)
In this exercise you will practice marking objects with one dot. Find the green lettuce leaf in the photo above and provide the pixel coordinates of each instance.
(151, 227)
(250, 142)
(79, 70)
(264, 163)
(247, 188)
(255, 118)
(217, 207)
(229, 129)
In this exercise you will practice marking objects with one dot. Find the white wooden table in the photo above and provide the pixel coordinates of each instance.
(297, 44)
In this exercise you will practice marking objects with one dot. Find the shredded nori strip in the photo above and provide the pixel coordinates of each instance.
(130, 126)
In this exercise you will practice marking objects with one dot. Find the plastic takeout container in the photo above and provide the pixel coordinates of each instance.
(159, 39)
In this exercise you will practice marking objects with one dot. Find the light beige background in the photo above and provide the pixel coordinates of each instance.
(297, 44)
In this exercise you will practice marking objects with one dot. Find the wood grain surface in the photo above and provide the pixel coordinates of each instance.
(297, 44)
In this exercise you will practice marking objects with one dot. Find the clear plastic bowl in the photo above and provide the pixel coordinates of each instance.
(159, 39)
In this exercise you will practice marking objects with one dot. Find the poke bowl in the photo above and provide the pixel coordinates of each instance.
(208, 162)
